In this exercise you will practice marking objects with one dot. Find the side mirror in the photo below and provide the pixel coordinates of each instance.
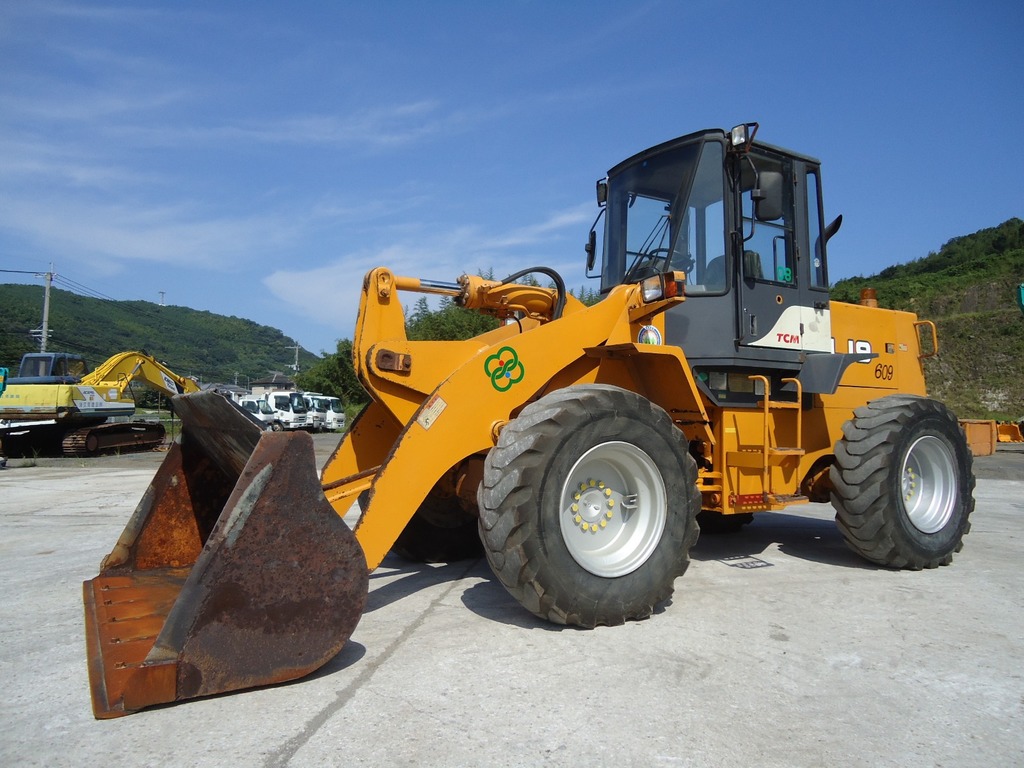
(591, 249)
(602, 191)
(768, 196)
(832, 228)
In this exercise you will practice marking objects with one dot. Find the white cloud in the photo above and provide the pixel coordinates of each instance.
(31, 163)
(378, 127)
(329, 295)
(175, 235)
(537, 232)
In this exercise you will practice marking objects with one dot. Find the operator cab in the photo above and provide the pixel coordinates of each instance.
(50, 368)
(744, 221)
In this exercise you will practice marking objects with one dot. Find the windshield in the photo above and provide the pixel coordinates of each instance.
(666, 211)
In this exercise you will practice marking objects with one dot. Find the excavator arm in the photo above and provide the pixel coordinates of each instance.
(123, 368)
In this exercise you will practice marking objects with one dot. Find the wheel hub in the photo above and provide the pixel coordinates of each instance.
(928, 484)
(594, 505)
(613, 509)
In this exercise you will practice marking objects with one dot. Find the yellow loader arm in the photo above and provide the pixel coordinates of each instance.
(438, 407)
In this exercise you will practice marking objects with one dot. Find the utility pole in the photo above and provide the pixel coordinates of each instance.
(44, 331)
(46, 310)
(294, 367)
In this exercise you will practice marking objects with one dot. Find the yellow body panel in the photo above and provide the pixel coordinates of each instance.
(735, 484)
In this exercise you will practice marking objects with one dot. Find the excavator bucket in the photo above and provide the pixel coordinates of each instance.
(233, 572)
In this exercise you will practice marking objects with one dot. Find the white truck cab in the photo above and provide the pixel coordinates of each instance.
(316, 415)
(332, 410)
(289, 409)
(258, 409)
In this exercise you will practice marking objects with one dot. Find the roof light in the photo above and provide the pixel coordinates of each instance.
(742, 136)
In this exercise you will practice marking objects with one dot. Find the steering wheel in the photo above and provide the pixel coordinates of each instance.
(647, 265)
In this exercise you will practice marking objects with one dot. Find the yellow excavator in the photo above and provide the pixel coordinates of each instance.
(580, 448)
(57, 406)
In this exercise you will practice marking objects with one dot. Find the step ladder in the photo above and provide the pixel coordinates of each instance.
(771, 455)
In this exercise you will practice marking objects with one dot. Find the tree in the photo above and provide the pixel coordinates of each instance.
(334, 375)
(448, 323)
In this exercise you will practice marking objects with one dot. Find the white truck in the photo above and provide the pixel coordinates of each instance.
(316, 415)
(259, 410)
(333, 410)
(289, 410)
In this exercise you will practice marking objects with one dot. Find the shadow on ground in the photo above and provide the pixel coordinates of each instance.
(806, 538)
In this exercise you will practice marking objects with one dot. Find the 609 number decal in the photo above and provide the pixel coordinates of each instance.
(884, 372)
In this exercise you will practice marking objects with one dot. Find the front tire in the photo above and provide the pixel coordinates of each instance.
(903, 483)
(588, 506)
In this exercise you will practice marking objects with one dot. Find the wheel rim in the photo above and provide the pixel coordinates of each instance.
(613, 509)
(929, 484)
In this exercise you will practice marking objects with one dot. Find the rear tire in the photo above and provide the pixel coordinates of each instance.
(588, 506)
(903, 483)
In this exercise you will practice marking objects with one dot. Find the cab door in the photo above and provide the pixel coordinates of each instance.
(773, 256)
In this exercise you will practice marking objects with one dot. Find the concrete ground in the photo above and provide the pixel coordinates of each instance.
(780, 648)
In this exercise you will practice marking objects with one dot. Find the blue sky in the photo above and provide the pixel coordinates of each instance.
(257, 158)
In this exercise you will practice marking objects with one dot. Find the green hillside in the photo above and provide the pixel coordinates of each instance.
(213, 348)
(968, 288)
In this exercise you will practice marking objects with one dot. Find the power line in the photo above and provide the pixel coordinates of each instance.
(79, 288)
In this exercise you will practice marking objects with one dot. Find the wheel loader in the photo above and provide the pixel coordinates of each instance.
(580, 448)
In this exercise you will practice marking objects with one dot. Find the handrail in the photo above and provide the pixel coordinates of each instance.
(935, 338)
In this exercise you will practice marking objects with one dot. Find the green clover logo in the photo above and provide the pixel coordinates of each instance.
(504, 369)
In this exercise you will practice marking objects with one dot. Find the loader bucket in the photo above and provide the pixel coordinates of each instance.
(233, 572)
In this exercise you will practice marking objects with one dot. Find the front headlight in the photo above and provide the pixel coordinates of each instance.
(664, 286)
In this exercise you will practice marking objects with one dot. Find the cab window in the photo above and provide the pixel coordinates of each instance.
(767, 227)
(819, 271)
(699, 249)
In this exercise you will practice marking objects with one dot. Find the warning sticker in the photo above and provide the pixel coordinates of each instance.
(429, 413)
